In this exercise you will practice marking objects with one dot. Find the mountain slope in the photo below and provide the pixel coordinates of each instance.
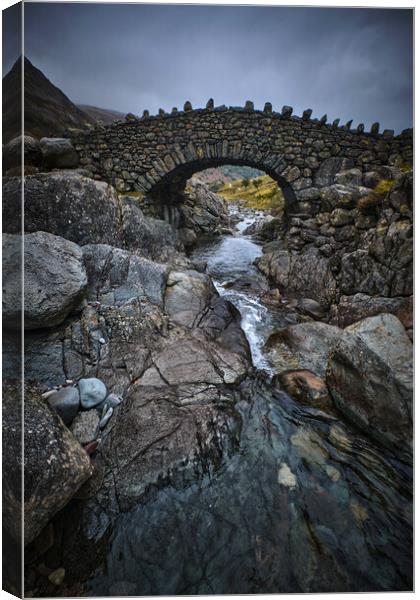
(101, 114)
(48, 112)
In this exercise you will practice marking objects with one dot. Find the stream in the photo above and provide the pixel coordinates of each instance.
(306, 503)
(230, 259)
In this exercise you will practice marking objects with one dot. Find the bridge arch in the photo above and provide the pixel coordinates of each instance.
(172, 184)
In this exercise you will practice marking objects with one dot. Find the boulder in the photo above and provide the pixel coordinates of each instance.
(267, 229)
(85, 211)
(306, 387)
(58, 153)
(203, 211)
(12, 152)
(308, 273)
(357, 307)
(116, 276)
(65, 402)
(55, 464)
(154, 238)
(369, 376)
(386, 336)
(55, 279)
(67, 204)
(187, 295)
(221, 323)
(303, 346)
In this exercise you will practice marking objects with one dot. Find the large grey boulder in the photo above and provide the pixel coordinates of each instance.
(116, 276)
(154, 238)
(55, 464)
(12, 152)
(187, 295)
(386, 336)
(267, 229)
(55, 279)
(308, 273)
(165, 430)
(203, 211)
(58, 153)
(303, 346)
(68, 204)
(369, 375)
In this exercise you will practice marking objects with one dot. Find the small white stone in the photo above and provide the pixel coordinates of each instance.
(102, 340)
(286, 477)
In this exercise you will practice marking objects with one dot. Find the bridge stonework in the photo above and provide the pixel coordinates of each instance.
(158, 154)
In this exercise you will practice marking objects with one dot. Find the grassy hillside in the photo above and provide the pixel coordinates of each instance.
(261, 193)
(216, 177)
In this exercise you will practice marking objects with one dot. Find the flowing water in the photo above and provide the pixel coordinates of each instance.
(229, 259)
(305, 503)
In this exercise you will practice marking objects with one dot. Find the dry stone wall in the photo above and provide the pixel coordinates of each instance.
(158, 154)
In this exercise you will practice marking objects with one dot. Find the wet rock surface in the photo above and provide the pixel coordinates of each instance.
(278, 506)
(303, 346)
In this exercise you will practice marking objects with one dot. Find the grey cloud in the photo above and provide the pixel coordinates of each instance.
(348, 63)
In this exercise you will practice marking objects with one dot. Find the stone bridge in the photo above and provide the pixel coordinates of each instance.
(158, 154)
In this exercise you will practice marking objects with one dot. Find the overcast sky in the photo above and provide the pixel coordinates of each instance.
(349, 63)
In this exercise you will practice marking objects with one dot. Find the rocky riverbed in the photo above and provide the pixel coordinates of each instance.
(219, 429)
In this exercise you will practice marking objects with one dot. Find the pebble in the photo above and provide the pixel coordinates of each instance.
(85, 426)
(102, 340)
(91, 447)
(57, 576)
(92, 392)
(285, 476)
(113, 400)
(106, 417)
(65, 402)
